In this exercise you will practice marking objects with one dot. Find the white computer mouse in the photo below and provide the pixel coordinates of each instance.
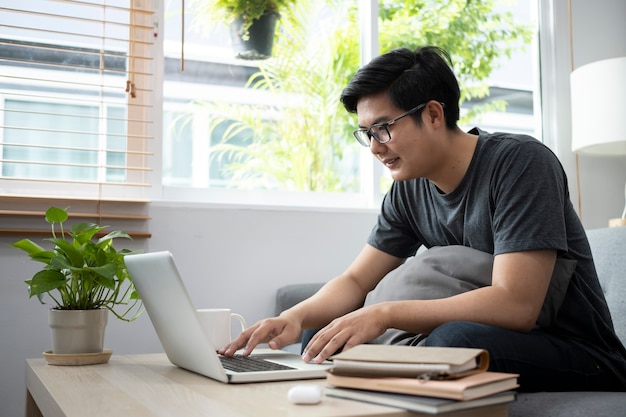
(305, 394)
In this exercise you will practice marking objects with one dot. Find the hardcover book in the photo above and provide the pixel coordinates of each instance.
(462, 389)
(410, 361)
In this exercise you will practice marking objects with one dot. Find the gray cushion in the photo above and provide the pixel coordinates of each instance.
(439, 272)
(444, 271)
(430, 275)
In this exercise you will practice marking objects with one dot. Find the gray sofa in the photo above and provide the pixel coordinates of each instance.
(609, 250)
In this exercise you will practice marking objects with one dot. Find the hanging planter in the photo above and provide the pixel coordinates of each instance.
(254, 41)
(252, 23)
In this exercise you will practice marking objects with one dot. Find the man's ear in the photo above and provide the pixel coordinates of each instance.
(433, 114)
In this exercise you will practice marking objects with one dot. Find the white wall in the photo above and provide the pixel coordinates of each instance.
(237, 258)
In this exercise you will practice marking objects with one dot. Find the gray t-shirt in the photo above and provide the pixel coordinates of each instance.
(514, 197)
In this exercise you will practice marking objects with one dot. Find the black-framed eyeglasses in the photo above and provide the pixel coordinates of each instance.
(380, 131)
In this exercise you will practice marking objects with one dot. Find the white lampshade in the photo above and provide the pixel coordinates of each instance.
(598, 92)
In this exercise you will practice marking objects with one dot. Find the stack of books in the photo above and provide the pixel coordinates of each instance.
(450, 381)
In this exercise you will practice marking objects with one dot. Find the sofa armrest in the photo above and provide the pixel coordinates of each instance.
(290, 295)
(607, 247)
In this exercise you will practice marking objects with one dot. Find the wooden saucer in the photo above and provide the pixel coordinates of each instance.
(74, 359)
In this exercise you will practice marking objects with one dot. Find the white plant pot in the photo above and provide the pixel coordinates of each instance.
(77, 331)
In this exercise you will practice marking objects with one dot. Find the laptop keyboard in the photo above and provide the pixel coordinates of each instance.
(240, 363)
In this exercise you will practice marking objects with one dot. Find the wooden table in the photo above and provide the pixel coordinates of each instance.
(149, 385)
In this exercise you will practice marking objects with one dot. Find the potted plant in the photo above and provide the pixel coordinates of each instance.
(252, 22)
(85, 276)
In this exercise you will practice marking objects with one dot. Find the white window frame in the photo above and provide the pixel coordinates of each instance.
(372, 173)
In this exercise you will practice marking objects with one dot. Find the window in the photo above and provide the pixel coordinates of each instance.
(68, 127)
(75, 92)
(265, 157)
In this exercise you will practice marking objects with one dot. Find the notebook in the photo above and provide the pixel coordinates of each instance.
(174, 318)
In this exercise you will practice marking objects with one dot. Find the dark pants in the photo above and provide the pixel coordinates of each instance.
(544, 361)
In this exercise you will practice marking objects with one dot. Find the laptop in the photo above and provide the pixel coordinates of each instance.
(186, 345)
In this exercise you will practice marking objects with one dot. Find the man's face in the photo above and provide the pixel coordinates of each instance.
(410, 152)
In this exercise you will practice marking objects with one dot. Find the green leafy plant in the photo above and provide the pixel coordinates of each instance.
(477, 34)
(80, 272)
(301, 142)
(229, 10)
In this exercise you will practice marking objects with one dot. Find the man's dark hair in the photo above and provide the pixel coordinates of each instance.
(410, 78)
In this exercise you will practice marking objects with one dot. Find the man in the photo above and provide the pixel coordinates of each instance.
(501, 194)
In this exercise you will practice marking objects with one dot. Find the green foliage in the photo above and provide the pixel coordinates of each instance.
(298, 144)
(227, 11)
(474, 33)
(81, 273)
(306, 139)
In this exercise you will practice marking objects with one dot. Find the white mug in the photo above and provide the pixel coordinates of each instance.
(217, 324)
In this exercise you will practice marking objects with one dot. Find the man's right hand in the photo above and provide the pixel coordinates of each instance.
(276, 332)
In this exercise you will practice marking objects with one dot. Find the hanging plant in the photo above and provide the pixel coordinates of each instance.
(252, 22)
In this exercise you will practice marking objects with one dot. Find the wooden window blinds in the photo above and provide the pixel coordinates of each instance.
(76, 92)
